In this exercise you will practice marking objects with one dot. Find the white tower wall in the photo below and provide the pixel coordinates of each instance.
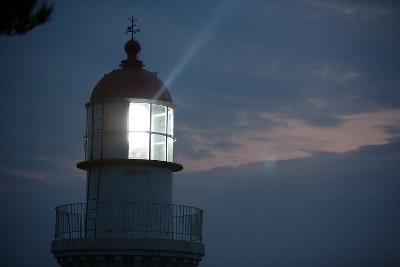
(130, 184)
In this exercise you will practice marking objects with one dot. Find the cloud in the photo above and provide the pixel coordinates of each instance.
(337, 74)
(324, 210)
(365, 9)
(277, 137)
(44, 169)
(317, 102)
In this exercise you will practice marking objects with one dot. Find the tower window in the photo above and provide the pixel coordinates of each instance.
(158, 118)
(138, 145)
(139, 117)
(158, 148)
(170, 122)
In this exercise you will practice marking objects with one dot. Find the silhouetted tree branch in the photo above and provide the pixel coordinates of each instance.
(21, 16)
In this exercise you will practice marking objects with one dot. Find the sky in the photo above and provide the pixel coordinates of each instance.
(287, 124)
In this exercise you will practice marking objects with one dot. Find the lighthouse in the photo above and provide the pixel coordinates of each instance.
(129, 218)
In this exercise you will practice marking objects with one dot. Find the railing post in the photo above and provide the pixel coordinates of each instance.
(56, 225)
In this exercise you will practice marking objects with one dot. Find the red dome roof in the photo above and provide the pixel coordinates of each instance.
(131, 80)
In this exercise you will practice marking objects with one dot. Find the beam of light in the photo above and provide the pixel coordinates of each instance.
(199, 42)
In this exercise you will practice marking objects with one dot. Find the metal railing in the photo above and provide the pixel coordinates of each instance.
(128, 220)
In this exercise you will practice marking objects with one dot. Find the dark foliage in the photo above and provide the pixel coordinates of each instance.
(21, 16)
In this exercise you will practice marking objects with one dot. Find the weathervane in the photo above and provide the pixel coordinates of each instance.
(132, 29)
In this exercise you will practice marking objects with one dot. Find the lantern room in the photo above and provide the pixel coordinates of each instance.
(130, 116)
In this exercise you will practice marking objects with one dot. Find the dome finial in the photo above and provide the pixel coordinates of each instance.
(132, 47)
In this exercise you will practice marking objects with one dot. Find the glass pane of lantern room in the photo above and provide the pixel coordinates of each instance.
(158, 147)
(158, 118)
(170, 121)
(138, 145)
(139, 117)
(170, 149)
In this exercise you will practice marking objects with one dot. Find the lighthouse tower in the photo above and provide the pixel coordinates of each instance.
(128, 218)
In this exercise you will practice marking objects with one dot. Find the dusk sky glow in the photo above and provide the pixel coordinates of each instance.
(287, 123)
